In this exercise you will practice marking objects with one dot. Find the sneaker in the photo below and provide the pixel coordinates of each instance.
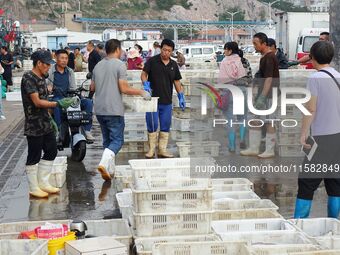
(2, 117)
(89, 137)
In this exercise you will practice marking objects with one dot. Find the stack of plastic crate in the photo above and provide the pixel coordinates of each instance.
(169, 205)
(27, 65)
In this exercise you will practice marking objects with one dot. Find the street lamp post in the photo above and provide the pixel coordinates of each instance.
(270, 11)
(232, 23)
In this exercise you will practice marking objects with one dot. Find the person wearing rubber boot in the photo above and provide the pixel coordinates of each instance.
(324, 126)
(39, 128)
(267, 77)
(109, 82)
(159, 75)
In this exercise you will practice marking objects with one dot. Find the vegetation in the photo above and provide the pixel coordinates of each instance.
(286, 6)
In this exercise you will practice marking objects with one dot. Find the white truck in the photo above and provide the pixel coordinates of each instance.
(295, 31)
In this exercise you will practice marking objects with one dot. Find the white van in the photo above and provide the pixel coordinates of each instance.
(200, 52)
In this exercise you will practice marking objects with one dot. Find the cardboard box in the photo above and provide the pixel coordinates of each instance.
(104, 245)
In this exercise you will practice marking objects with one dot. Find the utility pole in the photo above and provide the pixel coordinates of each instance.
(232, 23)
(270, 12)
(335, 31)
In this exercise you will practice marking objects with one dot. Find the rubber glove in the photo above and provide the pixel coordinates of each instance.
(67, 102)
(147, 86)
(260, 103)
(181, 100)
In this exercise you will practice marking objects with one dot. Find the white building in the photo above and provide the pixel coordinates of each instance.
(128, 35)
(320, 6)
(58, 38)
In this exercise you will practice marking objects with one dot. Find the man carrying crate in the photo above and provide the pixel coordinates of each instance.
(159, 75)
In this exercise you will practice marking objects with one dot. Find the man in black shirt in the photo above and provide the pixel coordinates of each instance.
(39, 128)
(6, 62)
(71, 58)
(159, 75)
(94, 56)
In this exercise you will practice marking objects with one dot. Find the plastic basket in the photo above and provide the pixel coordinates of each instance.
(24, 247)
(290, 150)
(231, 181)
(138, 104)
(210, 148)
(180, 136)
(191, 124)
(324, 252)
(232, 187)
(235, 195)
(135, 135)
(281, 249)
(178, 223)
(134, 147)
(325, 231)
(123, 177)
(166, 173)
(13, 96)
(119, 228)
(291, 130)
(172, 200)
(144, 245)
(125, 203)
(245, 214)
(254, 225)
(189, 113)
(289, 138)
(80, 75)
(201, 248)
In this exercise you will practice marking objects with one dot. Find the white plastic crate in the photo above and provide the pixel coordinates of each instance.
(119, 228)
(289, 138)
(290, 130)
(190, 113)
(235, 195)
(209, 148)
(80, 75)
(123, 177)
(187, 136)
(253, 225)
(324, 252)
(134, 147)
(24, 247)
(13, 96)
(172, 200)
(166, 173)
(135, 135)
(201, 248)
(244, 215)
(219, 183)
(293, 150)
(178, 223)
(138, 104)
(144, 245)
(232, 187)
(125, 204)
(191, 124)
(325, 231)
(135, 125)
(281, 249)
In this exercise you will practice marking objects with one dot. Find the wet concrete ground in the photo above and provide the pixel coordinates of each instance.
(86, 196)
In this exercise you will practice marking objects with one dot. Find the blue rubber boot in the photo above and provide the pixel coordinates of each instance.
(333, 207)
(232, 141)
(243, 131)
(302, 208)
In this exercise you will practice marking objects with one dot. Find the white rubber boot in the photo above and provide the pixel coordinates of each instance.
(32, 175)
(270, 147)
(106, 163)
(254, 143)
(44, 173)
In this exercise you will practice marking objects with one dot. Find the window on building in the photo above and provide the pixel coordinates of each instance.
(196, 51)
(208, 51)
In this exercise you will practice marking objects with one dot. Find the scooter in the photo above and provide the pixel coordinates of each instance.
(71, 132)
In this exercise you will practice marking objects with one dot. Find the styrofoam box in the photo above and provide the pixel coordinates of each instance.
(325, 231)
(172, 200)
(13, 96)
(98, 245)
(144, 245)
(177, 223)
(281, 249)
(235, 195)
(13, 229)
(208, 148)
(118, 228)
(24, 247)
(191, 124)
(293, 150)
(180, 136)
(125, 203)
(138, 104)
(324, 252)
(253, 225)
(166, 173)
(289, 138)
(201, 248)
(218, 182)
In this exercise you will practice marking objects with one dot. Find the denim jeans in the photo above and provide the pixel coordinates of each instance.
(163, 116)
(112, 131)
(85, 104)
(1, 108)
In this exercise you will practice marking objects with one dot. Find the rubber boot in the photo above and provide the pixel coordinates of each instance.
(231, 141)
(302, 208)
(106, 163)
(34, 189)
(152, 137)
(162, 144)
(44, 173)
(243, 131)
(254, 143)
(333, 207)
(270, 147)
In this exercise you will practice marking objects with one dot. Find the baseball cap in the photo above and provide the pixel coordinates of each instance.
(43, 56)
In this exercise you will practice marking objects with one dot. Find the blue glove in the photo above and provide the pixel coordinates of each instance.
(181, 100)
(147, 86)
